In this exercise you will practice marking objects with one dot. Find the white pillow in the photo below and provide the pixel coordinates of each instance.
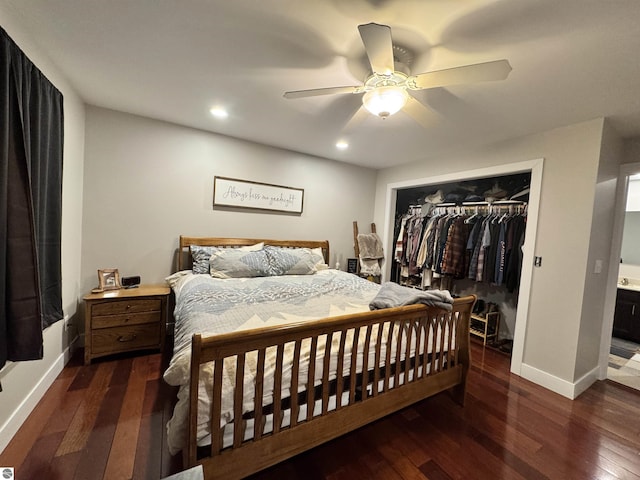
(321, 265)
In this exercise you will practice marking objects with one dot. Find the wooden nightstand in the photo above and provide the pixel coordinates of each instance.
(125, 320)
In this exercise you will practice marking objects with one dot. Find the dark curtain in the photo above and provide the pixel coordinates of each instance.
(31, 136)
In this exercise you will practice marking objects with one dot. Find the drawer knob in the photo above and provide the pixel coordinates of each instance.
(127, 338)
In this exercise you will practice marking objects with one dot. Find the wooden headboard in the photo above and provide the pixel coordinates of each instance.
(184, 261)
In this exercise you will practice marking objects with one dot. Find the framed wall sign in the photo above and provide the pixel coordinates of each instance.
(230, 192)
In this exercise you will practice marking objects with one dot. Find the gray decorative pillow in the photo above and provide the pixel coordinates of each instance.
(200, 256)
(292, 261)
(238, 263)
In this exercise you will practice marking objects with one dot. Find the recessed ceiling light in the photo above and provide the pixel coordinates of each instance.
(342, 145)
(218, 112)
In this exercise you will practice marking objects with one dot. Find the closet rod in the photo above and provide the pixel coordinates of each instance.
(497, 202)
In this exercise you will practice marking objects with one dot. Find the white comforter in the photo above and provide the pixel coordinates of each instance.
(210, 306)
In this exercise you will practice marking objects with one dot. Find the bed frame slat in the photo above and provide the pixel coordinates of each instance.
(442, 354)
(257, 402)
(396, 367)
(277, 390)
(311, 373)
(216, 405)
(433, 322)
(352, 367)
(376, 366)
(295, 371)
(407, 351)
(340, 369)
(325, 373)
(365, 362)
(419, 348)
(238, 424)
(387, 370)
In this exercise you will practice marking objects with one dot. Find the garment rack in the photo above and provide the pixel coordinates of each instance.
(498, 206)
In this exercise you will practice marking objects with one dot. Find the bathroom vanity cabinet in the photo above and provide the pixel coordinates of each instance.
(626, 321)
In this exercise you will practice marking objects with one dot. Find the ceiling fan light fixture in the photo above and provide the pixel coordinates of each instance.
(385, 101)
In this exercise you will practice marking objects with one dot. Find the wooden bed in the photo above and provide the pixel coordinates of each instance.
(341, 402)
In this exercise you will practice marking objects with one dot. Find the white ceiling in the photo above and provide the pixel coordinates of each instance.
(573, 60)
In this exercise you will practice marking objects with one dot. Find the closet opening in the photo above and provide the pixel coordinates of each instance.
(405, 197)
(466, 237)
(623, 359)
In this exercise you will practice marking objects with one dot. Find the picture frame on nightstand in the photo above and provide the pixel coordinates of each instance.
(109, 279)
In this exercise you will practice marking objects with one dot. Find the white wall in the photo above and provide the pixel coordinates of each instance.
(564, 227)
(633, 196)
(24, 383)
(147, 182)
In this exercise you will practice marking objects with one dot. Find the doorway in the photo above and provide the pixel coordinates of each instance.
(623, 356)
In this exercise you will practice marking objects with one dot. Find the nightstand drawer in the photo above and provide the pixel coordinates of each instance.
(121, 339)
(115, 307)
(108, 321)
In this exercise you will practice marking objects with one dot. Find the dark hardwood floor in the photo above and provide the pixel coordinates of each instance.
(103, 421)
(106, 421)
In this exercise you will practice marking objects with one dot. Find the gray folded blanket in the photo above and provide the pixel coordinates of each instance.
(394, 295)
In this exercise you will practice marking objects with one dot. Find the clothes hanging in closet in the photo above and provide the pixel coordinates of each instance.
(481, 247)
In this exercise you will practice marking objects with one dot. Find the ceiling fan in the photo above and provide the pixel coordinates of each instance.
(386, 89)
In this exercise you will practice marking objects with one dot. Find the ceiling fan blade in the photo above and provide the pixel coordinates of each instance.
(378, 44)
(356, 119)
(421, 114)
(480, 72)
(321, 91)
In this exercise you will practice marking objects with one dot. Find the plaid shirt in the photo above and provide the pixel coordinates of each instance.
(453, 258)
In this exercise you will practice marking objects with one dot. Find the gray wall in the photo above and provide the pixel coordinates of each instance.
(147, 182)
(600, 244)
(568, 198)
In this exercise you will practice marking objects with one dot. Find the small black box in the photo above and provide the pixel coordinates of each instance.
(129, 282)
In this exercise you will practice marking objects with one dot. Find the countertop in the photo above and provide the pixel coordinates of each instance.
(633, 284)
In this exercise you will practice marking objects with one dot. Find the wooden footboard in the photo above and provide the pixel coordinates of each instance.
(359, 368)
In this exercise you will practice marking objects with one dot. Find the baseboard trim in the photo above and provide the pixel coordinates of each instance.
(20, 414)
(562, 387)
(584, 382)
